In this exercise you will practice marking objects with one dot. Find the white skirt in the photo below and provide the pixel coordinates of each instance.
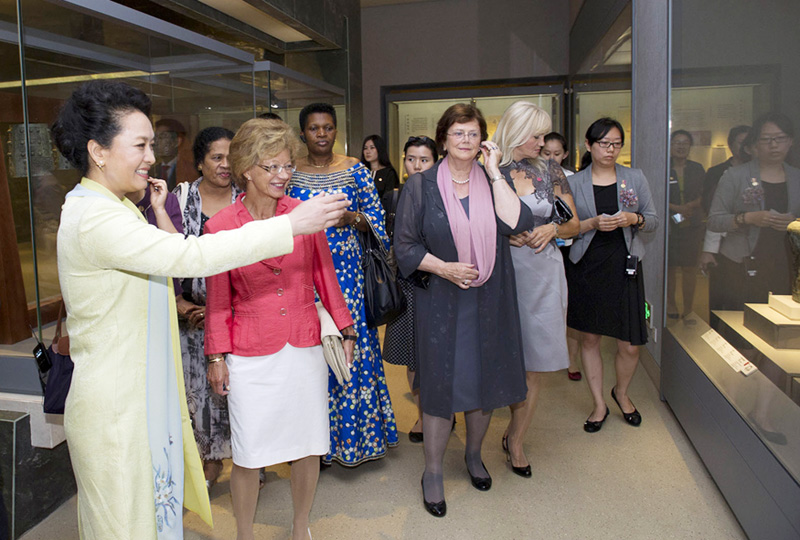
(278, 406)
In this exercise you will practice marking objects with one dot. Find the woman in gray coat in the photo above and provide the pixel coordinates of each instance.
(452, 233)
(753, 205)
(606, 287)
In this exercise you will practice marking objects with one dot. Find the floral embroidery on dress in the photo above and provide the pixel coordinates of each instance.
(164, 499)
(627, 196)
(753, 194)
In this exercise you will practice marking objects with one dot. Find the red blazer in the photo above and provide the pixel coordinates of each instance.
(257, 309)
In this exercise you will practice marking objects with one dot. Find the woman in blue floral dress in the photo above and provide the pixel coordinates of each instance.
(362, 420)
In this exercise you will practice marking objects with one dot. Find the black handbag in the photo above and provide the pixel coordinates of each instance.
(55, 369)
(561, 211)
(383, 299)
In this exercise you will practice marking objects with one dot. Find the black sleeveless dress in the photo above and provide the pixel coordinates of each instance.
(602, 298)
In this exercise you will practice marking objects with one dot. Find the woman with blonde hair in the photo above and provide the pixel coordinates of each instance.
(263, 333)
(539, 267)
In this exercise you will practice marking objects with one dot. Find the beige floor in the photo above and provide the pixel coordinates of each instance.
(620, 483)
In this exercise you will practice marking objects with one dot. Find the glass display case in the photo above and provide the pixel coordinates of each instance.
(731, 357)
(416, 112)
(193, 82)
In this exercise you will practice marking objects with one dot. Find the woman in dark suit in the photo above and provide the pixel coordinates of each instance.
(604, 275)
(753, 205)
(685, 223)
(452, 230)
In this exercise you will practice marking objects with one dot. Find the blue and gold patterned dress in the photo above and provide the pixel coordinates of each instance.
(362, 419)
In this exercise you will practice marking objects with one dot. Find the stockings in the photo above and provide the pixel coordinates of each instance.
(436, 431)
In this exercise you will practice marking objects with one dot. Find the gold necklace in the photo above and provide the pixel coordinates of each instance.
(323, 165)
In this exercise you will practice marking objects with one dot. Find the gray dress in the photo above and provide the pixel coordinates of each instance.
(541, 284)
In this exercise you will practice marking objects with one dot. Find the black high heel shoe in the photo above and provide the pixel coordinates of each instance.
(633, 418)
(482, 484)
(437, 509)
(593, 427)
(524, 472)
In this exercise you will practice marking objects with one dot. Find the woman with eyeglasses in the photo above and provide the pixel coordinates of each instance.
(753, 205)
(263, 333)
(685, 222)
(606, 287)
(362, 420)
(375, 156)
(419, 155)
(453, 225)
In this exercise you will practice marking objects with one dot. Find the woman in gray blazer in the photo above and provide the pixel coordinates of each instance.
(606, 287)
(753, 205)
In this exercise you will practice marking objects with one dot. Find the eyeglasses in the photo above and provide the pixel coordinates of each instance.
(459, 135)
(422, 139)
(277, 169)
(779, 139)
(609, 144)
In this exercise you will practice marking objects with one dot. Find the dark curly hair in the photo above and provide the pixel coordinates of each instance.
(93, 113)
(204, 140)
(312, 108)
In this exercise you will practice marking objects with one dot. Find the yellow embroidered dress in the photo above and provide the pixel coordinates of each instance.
(124, 341)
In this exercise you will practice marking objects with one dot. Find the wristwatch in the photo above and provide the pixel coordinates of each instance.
(358, 218)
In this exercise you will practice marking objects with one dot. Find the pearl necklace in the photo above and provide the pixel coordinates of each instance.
(459, 182)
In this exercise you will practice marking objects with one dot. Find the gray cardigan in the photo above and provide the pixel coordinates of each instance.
(583, 192)
(729, 200)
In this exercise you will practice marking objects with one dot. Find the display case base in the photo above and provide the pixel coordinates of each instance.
(772, 326)
(783, 304)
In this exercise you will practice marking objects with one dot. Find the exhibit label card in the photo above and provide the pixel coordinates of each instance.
(728, 353)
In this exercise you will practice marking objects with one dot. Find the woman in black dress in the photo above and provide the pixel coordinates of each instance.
(753, 205)
(398, 343)
(452, 230)
(685, 223)
(604, 275)
(375, 156)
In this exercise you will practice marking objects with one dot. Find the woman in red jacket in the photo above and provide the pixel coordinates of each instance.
(262, 321)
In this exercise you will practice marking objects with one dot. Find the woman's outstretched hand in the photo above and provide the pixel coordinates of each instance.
(318, 213)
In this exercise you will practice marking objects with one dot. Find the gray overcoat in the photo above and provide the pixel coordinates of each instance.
(422, 227)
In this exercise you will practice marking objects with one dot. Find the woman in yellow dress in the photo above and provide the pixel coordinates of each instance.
(126, 420)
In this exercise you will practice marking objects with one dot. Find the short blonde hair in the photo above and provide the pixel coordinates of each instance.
(521, 121)
(259, 139)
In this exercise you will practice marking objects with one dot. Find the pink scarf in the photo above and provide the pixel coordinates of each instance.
(475, 236)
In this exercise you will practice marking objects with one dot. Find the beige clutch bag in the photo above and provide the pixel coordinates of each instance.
(332, 347)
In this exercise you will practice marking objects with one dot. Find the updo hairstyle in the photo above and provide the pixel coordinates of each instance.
(93, 112)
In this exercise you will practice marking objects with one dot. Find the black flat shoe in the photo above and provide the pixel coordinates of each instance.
(525, 471)
(437, 509)
(481, 484)
(415, 436)
(633, 418)
(594, 427)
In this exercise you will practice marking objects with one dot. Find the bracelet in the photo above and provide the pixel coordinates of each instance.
(216, 359)
(348, 337)
(739, 219)
(496, 178)
(640, 220)
(555, 226)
